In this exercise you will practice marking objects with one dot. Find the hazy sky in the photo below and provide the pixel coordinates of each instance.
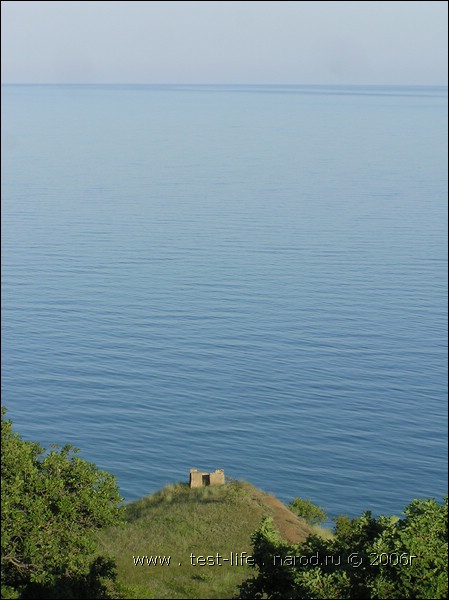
(225, 42)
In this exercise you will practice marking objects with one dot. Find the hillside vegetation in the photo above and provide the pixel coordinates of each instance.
(178, 522)
(65, 535)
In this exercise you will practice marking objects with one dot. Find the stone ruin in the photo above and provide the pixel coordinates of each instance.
(199, 479)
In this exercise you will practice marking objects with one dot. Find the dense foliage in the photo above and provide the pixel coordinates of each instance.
(306, 510)
(52, 504)
(384, 557)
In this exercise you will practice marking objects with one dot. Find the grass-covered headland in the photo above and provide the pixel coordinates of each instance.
(66, 535)
(194, 543)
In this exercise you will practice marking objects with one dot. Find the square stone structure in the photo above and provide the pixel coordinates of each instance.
(199, 479)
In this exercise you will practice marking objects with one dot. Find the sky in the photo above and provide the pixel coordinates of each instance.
(207, 42)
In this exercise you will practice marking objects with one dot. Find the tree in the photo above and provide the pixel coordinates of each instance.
(52, 504)
(384, 557)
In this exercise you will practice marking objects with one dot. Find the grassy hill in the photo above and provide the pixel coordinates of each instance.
(178, 522)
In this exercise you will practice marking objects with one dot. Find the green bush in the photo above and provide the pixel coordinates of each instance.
(384, 557)
(306, 510)
(52, 504)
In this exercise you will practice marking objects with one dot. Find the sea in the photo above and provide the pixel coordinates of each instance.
(246, 277)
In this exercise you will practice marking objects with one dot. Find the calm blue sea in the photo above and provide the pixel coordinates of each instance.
(245, 277)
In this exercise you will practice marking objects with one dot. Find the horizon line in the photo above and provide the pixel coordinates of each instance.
(443, 85)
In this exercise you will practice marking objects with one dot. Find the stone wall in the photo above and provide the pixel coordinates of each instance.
(217, 477)
(198, 478)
